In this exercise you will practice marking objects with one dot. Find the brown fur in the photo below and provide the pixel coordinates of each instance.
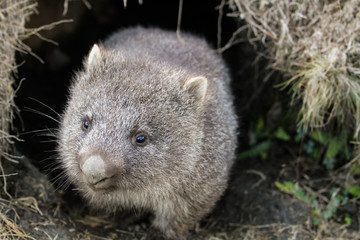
(177, 95)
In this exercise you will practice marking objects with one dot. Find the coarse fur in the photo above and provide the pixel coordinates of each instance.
(176, 94)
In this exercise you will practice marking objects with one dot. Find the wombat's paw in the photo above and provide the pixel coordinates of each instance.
(154, 233)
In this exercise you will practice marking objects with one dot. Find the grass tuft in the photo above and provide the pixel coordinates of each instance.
(13, 15)
(317, 44)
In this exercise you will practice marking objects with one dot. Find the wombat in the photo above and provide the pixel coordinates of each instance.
(150, 125)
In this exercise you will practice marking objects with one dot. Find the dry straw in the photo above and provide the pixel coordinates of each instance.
(13, 14)
(318, 44)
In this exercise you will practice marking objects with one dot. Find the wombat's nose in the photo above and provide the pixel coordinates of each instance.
(94, 167)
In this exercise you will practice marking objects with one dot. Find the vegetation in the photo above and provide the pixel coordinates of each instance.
(316, 45)
(13, 14)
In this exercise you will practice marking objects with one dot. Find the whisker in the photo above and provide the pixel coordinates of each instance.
(50, 151)
(61, 181)
(51, 167)
(51, 157)
(58, 178)
(54, 169)
(47, 134)
(37, 131)
(53, 160)
(48, 107)
(66, 185)
(49, 141)
(41, 114)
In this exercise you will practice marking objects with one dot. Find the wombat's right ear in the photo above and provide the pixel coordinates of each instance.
(94, 57)
(196, 86)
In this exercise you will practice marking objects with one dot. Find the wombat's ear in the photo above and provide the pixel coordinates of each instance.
(94, 57)
(196, 86)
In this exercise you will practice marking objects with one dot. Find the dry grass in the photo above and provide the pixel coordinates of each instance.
(13, 15)
(318, 44)
(8, 226)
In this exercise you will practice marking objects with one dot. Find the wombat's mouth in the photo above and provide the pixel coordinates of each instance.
(104, 185)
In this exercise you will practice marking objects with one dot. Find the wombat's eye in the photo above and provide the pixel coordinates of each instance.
(141, 139)
(86, 124)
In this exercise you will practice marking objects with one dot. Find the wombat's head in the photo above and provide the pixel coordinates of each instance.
(131, 123)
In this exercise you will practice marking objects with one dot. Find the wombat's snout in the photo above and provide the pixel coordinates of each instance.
(97, 171)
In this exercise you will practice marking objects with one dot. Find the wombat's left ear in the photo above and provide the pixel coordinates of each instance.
(94, 57)
(196, 86)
